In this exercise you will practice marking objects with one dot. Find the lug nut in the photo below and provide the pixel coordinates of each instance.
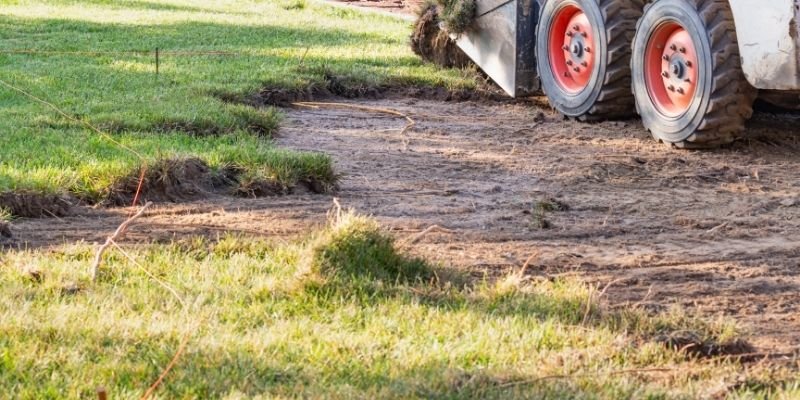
(665, 74)
(687, 80)
(586, 49)
(671, 88)
(576, 69)
(665, 57)
(584, 34)
(688, 64)
(570, 34)
(565, 48)
(566, 74)
(585, 64)
(682, 50)
(569, 62)
(576, 28)
(673, 47)
(681, 91)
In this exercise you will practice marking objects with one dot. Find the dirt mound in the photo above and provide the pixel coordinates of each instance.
(433, 44)
(173, 180)
(35, 205)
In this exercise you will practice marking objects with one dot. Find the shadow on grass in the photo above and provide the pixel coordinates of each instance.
(153, 6)
(56, 34)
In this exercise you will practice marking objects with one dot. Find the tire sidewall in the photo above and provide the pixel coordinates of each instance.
(680, 128)
(571, 104)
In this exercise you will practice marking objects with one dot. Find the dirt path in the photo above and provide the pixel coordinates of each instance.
(717, 232)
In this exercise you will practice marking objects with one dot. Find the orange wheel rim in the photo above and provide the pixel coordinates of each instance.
(572, 49)
(671, 69)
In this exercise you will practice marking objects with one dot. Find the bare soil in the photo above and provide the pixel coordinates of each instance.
(716, 232)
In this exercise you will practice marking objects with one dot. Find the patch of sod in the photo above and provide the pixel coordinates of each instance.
(178, 114)
(343, 314)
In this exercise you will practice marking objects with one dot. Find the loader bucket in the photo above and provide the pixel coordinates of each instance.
(501, 42)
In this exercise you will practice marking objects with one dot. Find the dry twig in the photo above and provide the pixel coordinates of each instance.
(524, 268)
(592, 298)
(120, 232)
(418, 236)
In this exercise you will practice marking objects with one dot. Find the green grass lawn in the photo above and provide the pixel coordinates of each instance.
(343, 314)
(178, 114)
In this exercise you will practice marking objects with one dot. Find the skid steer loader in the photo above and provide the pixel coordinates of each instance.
(690, 68)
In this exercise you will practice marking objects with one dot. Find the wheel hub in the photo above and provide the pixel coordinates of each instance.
(571, 43)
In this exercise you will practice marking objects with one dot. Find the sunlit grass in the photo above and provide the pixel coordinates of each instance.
(342, 314)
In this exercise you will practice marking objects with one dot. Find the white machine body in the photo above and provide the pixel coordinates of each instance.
(769, 42)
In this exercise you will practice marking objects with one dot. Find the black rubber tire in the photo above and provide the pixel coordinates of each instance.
(723, 100)
(608, 94)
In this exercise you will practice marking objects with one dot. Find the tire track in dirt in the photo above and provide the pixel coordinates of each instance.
(717, 232)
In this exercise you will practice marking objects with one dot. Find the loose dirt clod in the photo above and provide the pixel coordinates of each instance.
(35, 205)
(433, 44)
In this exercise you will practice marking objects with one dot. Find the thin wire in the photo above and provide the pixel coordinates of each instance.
(123, 52)
(71, 118)
(165, 285)
(186, 337)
